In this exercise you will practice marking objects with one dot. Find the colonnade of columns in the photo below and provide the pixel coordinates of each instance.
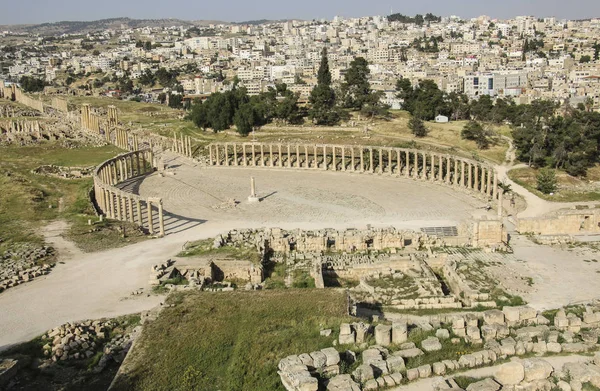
(123, 140)
(20, 127)
(112, 116)
(183, 145)
(424, 165)
(89, 120)
(124, 206)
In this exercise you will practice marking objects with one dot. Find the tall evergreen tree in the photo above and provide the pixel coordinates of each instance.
(322, 97)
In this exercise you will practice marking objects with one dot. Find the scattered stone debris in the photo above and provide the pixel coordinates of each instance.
(21, 263)
(388, 359)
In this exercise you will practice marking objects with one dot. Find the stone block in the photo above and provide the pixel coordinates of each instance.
(510, 374)
(371, 355)
(458, 323)
(536, 369)
(362, 331)
(439, 369)
(363, 373)
(520, 348)
(395, 364)
(553, 347)
(442, 334)
(347, 339)
(424, 371)
(484, 385)
(467, 361)
(383, 335)
(431, 344)
(332, 356)
(371, 385)
(399, 332)
(540, 348)
(412, 374)
(493, 317)
(473, 332)
(511, 314)
(397, 377)
(319, 359)
(408, 353)
(389, 381)
(342, 383)
(488, 332)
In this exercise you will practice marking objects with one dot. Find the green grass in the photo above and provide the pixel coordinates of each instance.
(28, 201)
(233, 341)
(568, 185)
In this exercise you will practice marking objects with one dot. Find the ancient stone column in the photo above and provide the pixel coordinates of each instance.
(352, 162)
(297, 156)
(500, 203)
(432, 176)
(362, 159)
(476, 173)
(161, 219)
(325, 157)
(217, 159)
(226, 148)
(245, 162)
(262, 155)
(280, 158)
(380, 160)
(306, 162)
(407, 164)
(138, 207)
(271, 155)
(495, 186)
(448, 174)
(253, 155)
(470, 178)
(371, 165)
(333, 158)
(463, 180)
(390, 162)
(289, 156)
(130, 202)
(343, 158)
(150, 217)
(488, 187)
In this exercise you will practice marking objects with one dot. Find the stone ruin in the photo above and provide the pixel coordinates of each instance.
(64, 172)
(202, 272)
(21, 264)
(392, 356)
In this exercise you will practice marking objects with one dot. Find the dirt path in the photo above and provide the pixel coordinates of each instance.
(53, 235)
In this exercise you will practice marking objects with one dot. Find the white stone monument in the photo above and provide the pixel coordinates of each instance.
(252, 198)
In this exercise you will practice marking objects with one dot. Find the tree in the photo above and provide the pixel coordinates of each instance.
(546, 181)
(475, 132)
(322, 97)
(32, 84)
(356, 88)
(417, 126)
(585, 59)
(199, 115)
(148, 45)
(245, 119)
(147, 78)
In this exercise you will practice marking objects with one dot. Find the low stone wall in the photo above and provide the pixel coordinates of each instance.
(569, 222)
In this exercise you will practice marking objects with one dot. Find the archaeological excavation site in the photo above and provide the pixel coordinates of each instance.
(300, 261)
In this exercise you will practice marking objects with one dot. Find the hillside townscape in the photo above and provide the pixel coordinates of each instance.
(398, 202)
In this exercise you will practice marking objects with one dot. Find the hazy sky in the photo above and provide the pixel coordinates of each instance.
(38, 11)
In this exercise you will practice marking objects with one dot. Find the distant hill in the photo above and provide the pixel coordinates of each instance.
(83, 27)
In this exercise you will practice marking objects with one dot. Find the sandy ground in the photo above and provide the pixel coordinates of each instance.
(481, 373)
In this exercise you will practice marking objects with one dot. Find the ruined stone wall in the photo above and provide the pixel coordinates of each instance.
(239, 270)
(489, 233)
(60, 105)
(23, 99)
(565, 223)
